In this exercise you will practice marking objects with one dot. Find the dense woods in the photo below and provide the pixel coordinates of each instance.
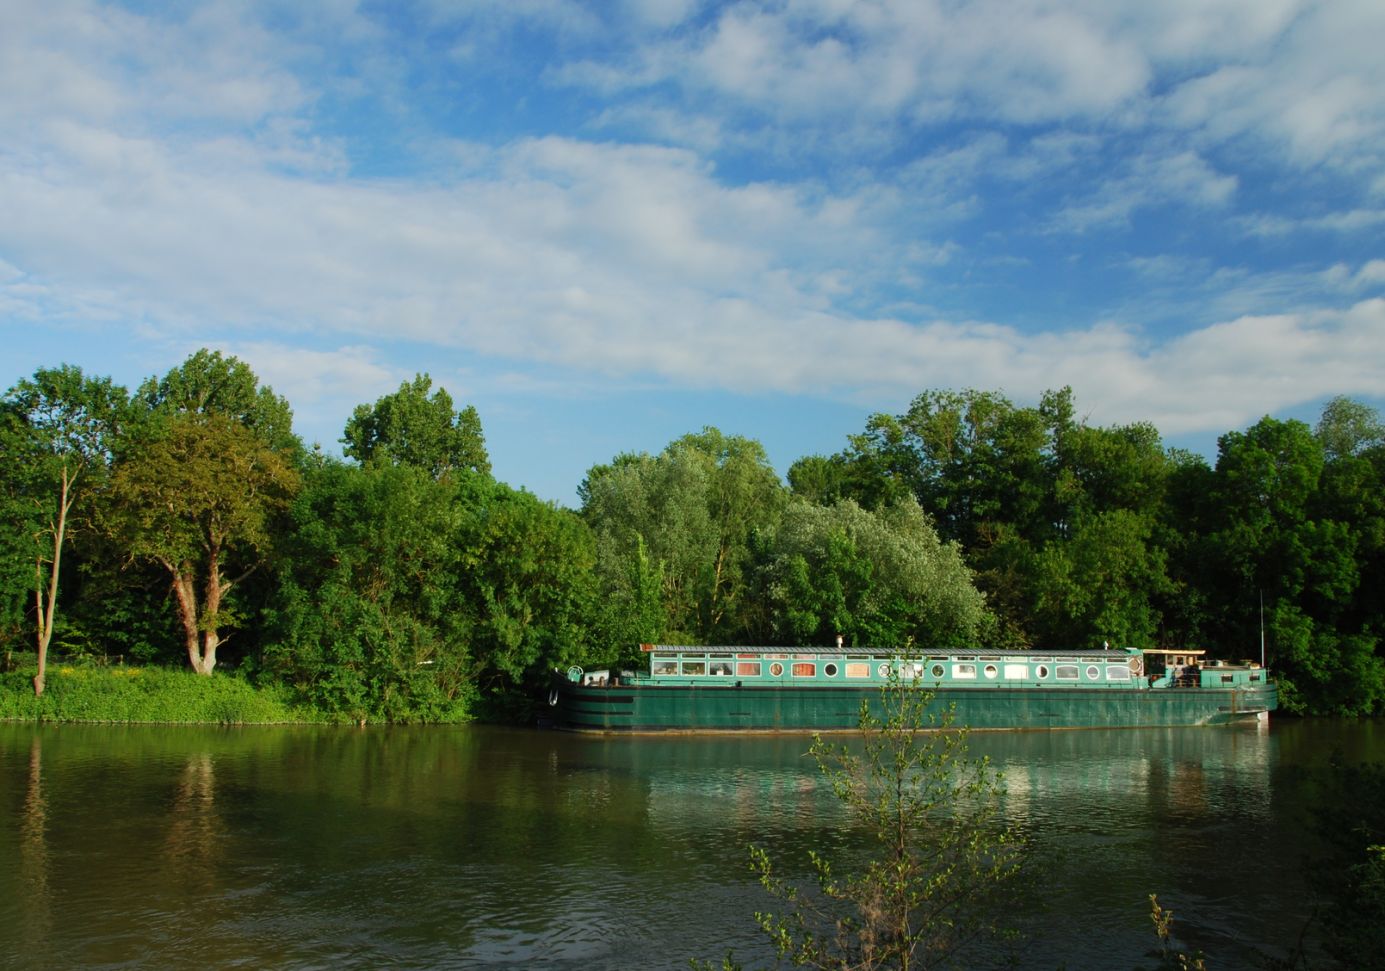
(185, 524)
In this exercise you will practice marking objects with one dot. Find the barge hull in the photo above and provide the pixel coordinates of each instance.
(747, 708)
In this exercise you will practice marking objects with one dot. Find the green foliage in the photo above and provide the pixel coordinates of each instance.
(199, 497)
(1291, 528)
(411, 428)
(1348, 428)
(1098, 584)
(153, 695)
(403, 596)
(527, 582)
(368, 621)
(878, 578)
(944, 863)
(210, 384)
(58, 430)
(692, 513)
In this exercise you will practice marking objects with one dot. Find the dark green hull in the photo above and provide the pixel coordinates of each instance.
(772, 708)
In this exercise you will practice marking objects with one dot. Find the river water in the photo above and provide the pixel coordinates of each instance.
(421, 848)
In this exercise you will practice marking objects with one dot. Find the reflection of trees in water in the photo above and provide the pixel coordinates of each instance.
(33, 853)
(191, 844)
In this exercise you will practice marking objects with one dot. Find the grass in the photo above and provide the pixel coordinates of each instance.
(146, 695)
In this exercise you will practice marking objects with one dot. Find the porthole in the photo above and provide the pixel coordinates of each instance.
(883, 670)
(1093, 672)
(1041, 671)
(937, 670)
(776, 669)
(829, 669)
(992, 671)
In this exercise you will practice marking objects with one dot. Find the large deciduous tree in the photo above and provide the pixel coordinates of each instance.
(403, 597)
(369, 619)
(1293, 531)
(410, 427)
(199, 486)
(197, 497)
(57, 429)
(686, 516)
(880, 579)
(210, 383)
(526, 577)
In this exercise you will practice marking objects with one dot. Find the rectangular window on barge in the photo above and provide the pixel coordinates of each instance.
(1016, 672)
(964, 670)
(694, 667)
(1067, 672)
(721, 668)
(1117, 672)
(858, 669)
(747, 669)
(804, 669)
(664, 665)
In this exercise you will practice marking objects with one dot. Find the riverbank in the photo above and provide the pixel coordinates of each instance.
(149, 695)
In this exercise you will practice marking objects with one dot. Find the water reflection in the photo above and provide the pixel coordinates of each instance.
(447, 848)
(194, 828)
(36, 914)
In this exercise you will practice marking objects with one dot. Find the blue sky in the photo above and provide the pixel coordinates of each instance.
(609, 224)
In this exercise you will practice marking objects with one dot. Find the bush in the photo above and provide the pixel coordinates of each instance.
(153, 695)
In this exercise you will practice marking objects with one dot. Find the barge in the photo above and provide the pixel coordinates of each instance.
(776, 689)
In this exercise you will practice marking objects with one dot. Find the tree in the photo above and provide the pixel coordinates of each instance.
(197, 496)
(744, 494)
(1098, 584)
(878, 578)
(411, 428)
(208, 383)
(369, 618)
(408, 598)
(944, 861)
(1301, 532)
(58, 428)
(526, 577)
(658, 505)
(1015, 486)
(694, 510)
(1349, 427)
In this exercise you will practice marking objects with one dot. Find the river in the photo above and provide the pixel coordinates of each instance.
(170, 848)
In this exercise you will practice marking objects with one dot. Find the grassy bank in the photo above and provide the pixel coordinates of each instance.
(131, 695)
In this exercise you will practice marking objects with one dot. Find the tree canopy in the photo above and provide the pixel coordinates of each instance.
(409, 584)
(410, 427)
(58, 429)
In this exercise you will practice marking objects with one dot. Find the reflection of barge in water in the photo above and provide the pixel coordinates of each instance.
(772, 689)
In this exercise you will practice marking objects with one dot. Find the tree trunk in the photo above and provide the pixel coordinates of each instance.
(45, 614)
(185, 595)
(211, 634)
(200, 634)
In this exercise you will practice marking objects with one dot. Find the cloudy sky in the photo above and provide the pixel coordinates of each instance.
(609, 224)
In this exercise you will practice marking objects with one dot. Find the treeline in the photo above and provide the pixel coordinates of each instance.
(185, 523)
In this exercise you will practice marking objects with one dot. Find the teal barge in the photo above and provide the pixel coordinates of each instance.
(773, 689)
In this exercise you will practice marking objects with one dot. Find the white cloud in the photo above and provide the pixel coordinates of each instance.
(169, 175)
(1371, 274)
(1182, 178)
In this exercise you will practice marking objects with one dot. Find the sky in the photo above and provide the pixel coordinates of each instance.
(607, 225)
